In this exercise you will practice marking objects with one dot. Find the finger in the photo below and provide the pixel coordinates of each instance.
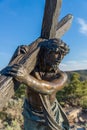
(10, 74)
(5, 70)
(17, 65)
(16, 70)
(13, 68)
(13, 74)
(8, 69)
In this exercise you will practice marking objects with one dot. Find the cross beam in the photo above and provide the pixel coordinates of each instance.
(51, 13)
(49, 30)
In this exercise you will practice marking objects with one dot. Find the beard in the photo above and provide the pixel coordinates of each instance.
(52, 67)
(55, 67)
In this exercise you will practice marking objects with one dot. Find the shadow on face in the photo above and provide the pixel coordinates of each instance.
(51, 53)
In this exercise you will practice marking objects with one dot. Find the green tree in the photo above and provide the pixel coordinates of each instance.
(75, 92)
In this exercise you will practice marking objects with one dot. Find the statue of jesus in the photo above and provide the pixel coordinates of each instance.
(41, 108)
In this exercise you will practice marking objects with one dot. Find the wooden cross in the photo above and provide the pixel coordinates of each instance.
(51, 28)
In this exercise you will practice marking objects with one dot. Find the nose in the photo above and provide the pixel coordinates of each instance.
(61, 56)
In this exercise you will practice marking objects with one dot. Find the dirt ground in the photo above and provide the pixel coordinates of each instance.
(77, 117)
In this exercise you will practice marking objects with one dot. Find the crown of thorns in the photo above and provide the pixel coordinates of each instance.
(56, 45)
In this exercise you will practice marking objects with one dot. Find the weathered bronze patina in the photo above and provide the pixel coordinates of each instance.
(36, 66)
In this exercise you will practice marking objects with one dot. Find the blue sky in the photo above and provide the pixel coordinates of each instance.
(20, 24)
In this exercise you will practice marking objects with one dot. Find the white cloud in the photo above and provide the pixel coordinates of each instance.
(83, 26)
(73, 65)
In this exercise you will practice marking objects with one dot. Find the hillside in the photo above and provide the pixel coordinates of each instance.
(83, 74)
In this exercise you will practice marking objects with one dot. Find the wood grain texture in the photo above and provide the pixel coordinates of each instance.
(7, 84)
(51, 13)
(63, 26)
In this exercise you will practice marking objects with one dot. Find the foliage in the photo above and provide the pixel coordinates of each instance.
(13, 126)
(75, 92)
(11, 117)
(21, 91)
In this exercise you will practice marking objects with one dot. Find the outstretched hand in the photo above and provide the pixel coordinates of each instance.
(17, 71)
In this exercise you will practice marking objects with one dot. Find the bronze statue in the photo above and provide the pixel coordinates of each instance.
(43, 83)
(36, 66)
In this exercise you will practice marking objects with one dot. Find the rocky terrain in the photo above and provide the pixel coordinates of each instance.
(77, 118)
(11, 116)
